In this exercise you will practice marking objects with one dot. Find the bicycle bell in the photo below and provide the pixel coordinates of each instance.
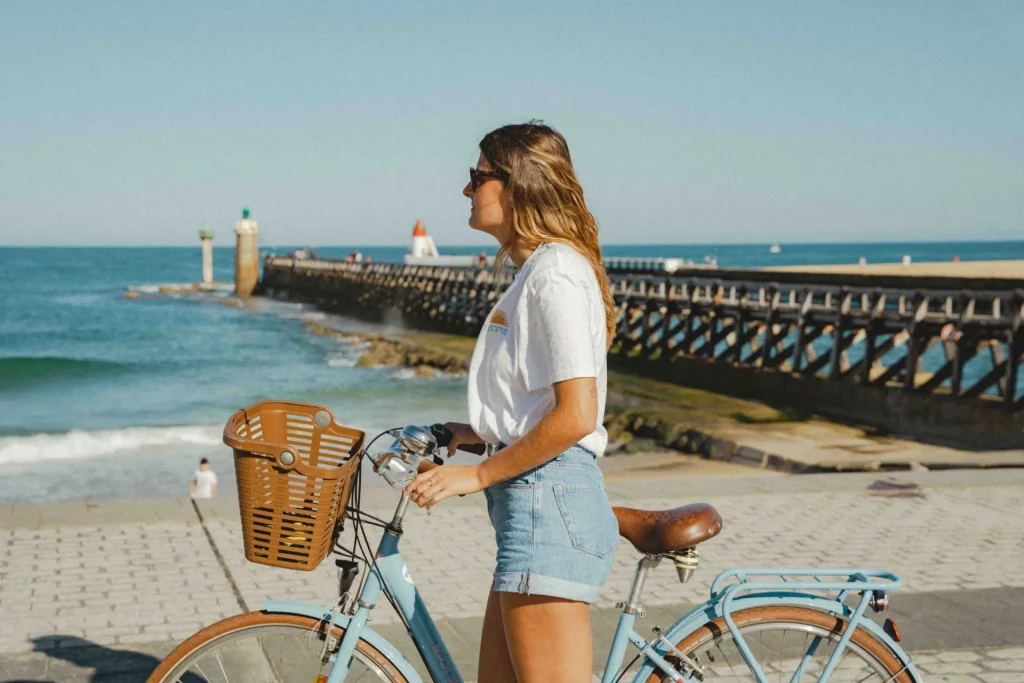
(417, 440)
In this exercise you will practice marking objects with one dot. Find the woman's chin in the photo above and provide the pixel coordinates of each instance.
(485, 228)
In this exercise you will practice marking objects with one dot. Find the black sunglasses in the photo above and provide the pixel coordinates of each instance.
(478, 177)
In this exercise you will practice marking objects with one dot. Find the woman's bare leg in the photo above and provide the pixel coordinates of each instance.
(549, 639)
(494, 663)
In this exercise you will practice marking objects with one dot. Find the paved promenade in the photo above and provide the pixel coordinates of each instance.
(100, 591)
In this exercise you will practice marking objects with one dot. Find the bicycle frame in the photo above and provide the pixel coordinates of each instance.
(731, 591)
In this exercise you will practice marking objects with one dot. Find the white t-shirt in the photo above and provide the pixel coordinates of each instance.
(205, 481)
(548, 327)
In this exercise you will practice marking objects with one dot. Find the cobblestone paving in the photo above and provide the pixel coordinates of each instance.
(1001, 665)
(126, 583)
(121, 584)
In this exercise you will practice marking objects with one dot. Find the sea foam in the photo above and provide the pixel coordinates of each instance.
(78, 444)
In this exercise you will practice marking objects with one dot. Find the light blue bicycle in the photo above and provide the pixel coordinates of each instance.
(759, 625)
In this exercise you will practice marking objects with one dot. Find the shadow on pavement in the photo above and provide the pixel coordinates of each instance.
(77, 660)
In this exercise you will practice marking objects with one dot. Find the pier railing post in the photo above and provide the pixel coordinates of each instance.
(1015, 344)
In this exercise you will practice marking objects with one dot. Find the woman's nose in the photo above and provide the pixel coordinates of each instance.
(467, 191)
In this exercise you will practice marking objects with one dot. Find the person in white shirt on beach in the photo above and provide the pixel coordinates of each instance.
(204, 481)
(536, 393)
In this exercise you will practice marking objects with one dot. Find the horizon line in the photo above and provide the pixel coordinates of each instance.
(303, 245)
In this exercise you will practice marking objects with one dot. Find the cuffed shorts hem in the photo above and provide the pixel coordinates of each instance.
(537, 584)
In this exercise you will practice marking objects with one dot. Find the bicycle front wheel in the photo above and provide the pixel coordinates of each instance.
(782, 639)
(267, 648)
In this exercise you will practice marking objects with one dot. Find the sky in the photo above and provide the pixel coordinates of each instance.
(340, 123)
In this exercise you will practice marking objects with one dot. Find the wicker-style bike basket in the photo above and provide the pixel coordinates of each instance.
(295, 468)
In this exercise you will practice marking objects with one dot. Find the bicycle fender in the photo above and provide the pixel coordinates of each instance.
(712, 609)
(342, 620)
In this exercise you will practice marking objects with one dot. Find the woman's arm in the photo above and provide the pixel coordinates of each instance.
(573, 417)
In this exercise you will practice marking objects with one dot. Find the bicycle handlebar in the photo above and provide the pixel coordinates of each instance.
(413, 450)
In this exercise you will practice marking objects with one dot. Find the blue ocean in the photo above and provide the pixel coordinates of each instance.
(103, 396)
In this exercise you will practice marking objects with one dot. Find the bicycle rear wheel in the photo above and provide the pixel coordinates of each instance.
(781, 638)
(266, 648)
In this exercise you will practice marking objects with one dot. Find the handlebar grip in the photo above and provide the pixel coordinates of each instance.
(444, 436)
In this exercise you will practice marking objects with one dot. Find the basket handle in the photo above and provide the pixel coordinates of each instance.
(231, 438)
(278, 451)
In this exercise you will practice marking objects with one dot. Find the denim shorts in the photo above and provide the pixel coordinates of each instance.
(555, 529)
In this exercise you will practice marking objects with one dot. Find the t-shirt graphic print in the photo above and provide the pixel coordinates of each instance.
(498, 322)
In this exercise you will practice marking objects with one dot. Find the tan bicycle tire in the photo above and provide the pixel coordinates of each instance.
(799, 615)
(255, 619)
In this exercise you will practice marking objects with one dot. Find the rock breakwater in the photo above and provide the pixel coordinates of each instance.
(387, 351)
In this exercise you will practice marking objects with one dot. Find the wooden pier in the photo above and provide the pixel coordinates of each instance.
(929, 356)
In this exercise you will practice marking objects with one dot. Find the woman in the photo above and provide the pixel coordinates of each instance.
(536, 393)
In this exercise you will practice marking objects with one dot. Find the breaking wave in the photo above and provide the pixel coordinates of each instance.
(78, 444)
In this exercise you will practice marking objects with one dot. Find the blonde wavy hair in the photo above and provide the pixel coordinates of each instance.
(546, 199)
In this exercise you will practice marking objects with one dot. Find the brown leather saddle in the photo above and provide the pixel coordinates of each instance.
(665, 531)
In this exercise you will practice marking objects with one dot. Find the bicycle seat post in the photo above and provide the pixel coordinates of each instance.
(632, 604)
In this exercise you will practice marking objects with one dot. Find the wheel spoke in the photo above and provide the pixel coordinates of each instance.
(799, 673)
(863, 680)
(221, 664)
(726, 658)
(782, 655)
(279, 671)
(760, 654)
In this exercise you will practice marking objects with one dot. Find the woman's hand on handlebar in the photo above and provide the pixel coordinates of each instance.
(462, 434)
(431, 487)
